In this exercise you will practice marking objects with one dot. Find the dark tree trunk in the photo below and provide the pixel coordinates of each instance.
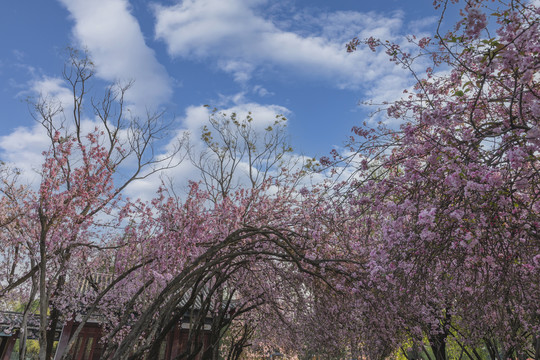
(53, 322)
(438, 345)
(438, 340)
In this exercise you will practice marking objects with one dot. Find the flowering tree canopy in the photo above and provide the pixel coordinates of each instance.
(430, 245)
(449, 203)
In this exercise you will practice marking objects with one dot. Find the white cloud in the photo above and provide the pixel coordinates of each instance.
(263, 115)
(23, 148)
(53, 88)
(195, 118)
(261, 91)
(116, 43)
(344, 25)
(418, 26)
(241, 70)
(244, 41)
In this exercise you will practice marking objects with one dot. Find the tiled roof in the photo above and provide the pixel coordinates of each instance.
(10, 323)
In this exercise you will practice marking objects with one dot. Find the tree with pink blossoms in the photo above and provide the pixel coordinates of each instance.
(224, 249)
(431, 245)
(200, 256)
(61, 228)
(449, 203)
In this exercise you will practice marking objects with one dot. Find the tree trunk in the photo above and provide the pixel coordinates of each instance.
(54, 318)
(43, 293)
(24, 323)
(438, 346)
(438, 341)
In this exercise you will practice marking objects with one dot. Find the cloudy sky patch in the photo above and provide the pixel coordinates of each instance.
(268, 57)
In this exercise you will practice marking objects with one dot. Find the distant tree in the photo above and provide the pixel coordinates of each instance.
(240, 152)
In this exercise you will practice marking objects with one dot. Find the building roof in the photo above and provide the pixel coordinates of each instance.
(10, 322)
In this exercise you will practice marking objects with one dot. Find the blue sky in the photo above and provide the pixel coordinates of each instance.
(285, 56)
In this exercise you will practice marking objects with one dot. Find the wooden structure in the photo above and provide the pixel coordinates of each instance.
(10, 323)
(89, 345)
(177, 341)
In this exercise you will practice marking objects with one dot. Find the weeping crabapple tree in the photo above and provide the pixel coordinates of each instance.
(216, 255)
(216, 252)
(210, 255)
(14, 205)
(229, 251)
(240, 152)
(62, 228)
(447, 207)
(438, 226)
(333, 315)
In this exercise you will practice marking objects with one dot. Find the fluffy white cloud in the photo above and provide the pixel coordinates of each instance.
(22, 149)
(198, 116)
(195, 118)
(261, 91)
(53, 89)
(116, 43)
(241, 70)
(243, 40)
